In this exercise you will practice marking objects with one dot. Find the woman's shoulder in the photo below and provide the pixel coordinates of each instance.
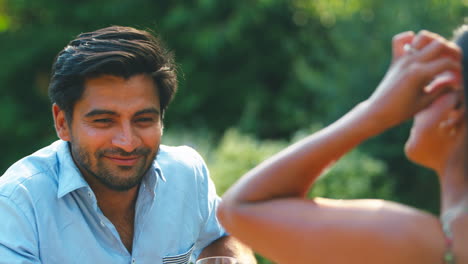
(384, 215)
(394, 231)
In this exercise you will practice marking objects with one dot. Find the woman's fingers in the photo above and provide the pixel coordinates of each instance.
(410, 84)
(430, 77)
(423, 38)
(444, 80)
(438, 48)
(399, 41)
(430, 70)
(430, 56)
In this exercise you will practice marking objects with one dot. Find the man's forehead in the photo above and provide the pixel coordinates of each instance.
(117, 95)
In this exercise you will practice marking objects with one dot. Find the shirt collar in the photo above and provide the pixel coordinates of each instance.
(71, 179)
(69, 176)
(150, 179)
(158, 171)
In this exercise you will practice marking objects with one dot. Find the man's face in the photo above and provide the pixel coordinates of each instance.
(116, 130)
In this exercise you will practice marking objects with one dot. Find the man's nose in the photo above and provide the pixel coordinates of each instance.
(126, 138)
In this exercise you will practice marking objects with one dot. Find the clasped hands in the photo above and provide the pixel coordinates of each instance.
(424, 66)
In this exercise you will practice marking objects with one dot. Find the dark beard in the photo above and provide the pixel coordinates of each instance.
(104, 175)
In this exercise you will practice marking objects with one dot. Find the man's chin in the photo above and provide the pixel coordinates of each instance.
(126, 168)
(121, 185)
(122, 179)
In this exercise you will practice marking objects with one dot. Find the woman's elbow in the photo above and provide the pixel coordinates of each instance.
(224, 213)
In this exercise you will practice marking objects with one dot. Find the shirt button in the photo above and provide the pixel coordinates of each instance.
(89, 194)
(102, 223)
(133, 261)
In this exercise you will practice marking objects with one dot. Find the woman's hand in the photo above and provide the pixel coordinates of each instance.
(410, 84)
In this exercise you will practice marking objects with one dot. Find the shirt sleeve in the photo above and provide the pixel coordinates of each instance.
(18, 238)
(209, 201)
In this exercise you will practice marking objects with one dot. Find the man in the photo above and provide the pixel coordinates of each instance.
(107, 191)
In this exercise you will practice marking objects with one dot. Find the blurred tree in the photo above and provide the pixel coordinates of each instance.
(267, 67)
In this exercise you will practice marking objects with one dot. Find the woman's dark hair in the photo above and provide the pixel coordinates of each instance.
(461, 39)
(118, 51)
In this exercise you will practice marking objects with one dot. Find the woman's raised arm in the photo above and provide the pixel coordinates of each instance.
(266, 207)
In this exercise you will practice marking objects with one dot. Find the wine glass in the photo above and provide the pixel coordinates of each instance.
(217, 260)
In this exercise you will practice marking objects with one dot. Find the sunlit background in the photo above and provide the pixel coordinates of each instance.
(255, 76)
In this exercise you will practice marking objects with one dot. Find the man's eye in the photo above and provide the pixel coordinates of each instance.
(103, 120)
(145, 119)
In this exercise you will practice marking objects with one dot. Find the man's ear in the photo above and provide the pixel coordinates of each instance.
(60, 123)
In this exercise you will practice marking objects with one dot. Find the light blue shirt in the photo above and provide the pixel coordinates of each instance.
(49, 214)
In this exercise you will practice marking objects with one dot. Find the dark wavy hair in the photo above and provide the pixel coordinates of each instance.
(115, 50)
(461, 39)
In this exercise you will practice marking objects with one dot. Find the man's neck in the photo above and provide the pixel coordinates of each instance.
(109, 200)
(119, 208)
(115, 203)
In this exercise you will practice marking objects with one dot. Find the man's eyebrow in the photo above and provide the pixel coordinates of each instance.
(151, 110)
(96, 112)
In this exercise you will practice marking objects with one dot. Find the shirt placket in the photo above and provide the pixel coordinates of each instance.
(107, 227)
(143, 205)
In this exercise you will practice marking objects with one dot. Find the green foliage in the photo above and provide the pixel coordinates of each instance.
(356, 175)
(268, 68)
(236, 154)
(228, 157)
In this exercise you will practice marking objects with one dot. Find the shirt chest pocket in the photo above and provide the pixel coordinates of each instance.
(179, 258)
